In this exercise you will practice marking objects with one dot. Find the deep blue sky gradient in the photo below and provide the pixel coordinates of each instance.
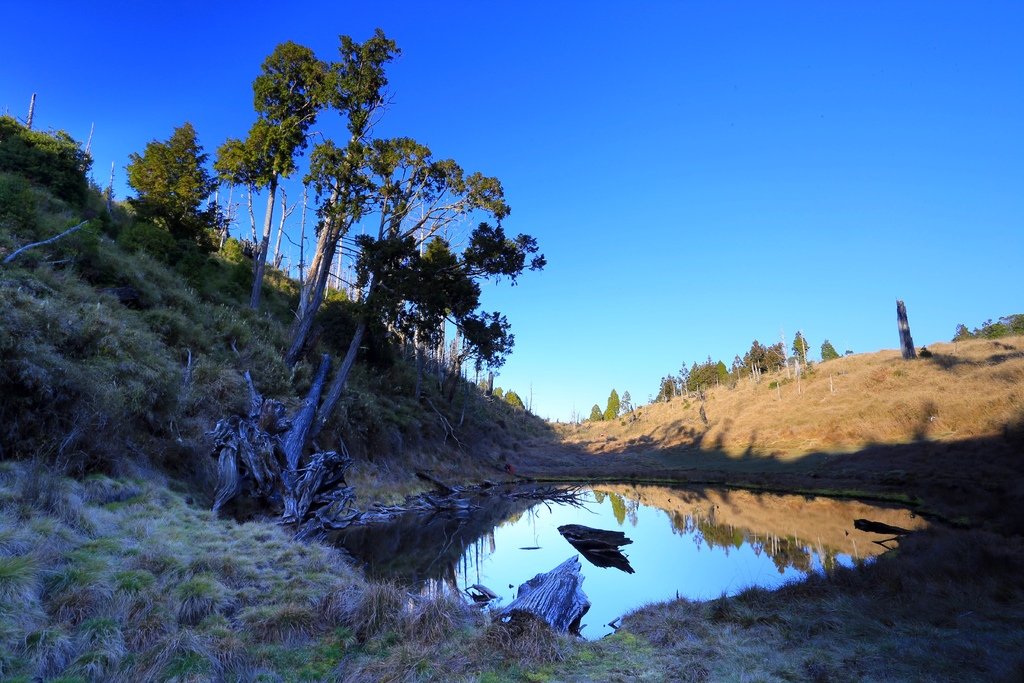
(698, 174)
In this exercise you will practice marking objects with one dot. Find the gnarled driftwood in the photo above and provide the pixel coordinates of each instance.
(261, 455)
(557, 597)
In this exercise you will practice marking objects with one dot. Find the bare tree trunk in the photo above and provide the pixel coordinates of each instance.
(252, 216)
(302, 236)
(13, 255)
(906, 341)
(280, 230)
(88, 142)
(314, 287)
(338, 383)
(303, 420)
(110, 190)
(31, 111)
(261, 253)
(313, 294)
(229, 216)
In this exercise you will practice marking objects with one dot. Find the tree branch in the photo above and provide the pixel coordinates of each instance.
(67, 232)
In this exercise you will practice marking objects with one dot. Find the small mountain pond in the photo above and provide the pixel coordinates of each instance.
(697, 543)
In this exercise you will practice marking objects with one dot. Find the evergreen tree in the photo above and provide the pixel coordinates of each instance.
(706, 375)
(723, 372)
(828, 352)
(764, 358)
(512, 398)
(612, 410)
(667, 389)
(800, 347)
(627, 402)
(595, 414)
(290, 91)
(172, 183)
(962, 333)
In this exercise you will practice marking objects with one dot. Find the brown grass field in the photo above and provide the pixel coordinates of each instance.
(963, 391)
(944, 432)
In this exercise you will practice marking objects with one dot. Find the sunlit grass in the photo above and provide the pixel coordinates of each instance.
(965, 390)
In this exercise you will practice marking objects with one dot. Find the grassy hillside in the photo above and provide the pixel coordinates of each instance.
(120, 346)
(964, 390)
(119, 350)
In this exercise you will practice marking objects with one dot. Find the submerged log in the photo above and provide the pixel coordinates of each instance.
(557, 597)
(481, 594)
(599, 547)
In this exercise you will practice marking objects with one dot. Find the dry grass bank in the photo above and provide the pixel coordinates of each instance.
(965, 390)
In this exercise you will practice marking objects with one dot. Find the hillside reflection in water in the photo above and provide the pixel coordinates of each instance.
(695, 543)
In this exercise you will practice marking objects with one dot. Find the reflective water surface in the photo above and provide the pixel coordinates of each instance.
(690, 542)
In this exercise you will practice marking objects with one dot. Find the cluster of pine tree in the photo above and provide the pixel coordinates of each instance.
(613, 408)
(510, 397)
(1003, 327)
(756, 361)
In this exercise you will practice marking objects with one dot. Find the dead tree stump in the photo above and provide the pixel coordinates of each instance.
(906, 341)
(557, 597)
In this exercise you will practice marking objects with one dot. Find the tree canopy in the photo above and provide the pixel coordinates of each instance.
(595, 414)
(1003, 327)
(172, 184)
(765, 358)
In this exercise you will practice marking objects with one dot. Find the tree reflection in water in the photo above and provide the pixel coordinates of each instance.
(726, 540)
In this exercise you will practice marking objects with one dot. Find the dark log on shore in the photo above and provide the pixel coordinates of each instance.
(442, 488)
(556, 597)
(599, 547)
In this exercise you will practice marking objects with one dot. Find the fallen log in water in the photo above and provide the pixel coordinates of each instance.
(557, 597)
(481, 594)
(599, 547)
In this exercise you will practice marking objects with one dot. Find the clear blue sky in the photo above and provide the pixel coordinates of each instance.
(698, 174)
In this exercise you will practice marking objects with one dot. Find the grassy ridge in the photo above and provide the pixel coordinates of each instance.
(964, 390)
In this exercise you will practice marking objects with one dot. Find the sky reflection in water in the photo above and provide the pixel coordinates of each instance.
(697, 544)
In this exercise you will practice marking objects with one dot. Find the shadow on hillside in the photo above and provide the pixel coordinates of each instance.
(981, 479)
(948, 361)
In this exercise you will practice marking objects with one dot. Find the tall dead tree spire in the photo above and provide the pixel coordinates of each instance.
(31, 111)
(906, 341)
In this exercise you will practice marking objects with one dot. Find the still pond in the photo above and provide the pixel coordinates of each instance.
(697, 543)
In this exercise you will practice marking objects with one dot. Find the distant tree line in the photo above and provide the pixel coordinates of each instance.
(613, 408)
(1003, 327)
(758, 359)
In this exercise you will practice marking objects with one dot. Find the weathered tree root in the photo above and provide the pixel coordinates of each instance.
(260, 456)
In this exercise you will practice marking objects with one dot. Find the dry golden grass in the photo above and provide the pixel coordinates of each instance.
(964, 390)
